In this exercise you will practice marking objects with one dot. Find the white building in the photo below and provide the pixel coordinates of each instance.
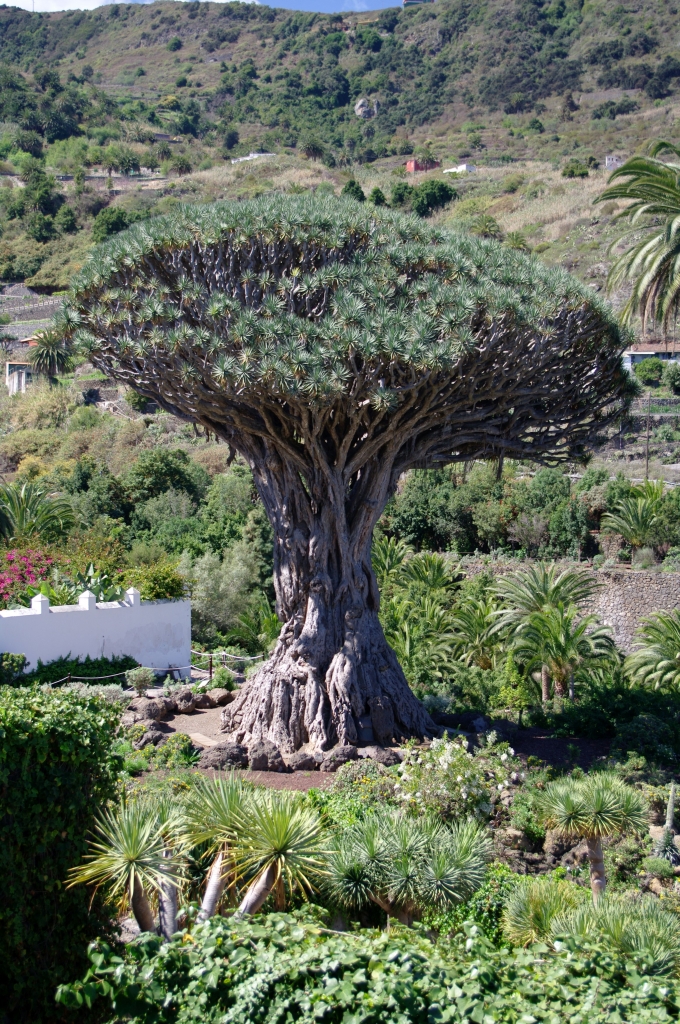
(611, 162)
(17, 376)
(461, 169)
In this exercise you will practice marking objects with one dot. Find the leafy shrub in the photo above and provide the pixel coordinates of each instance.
(11, 668)
(353, 190)
(647, 735)
(430, 196)
(574, 169)
(140, 679)
(56, 768)
(174, 44)
(223, 678)
(290, 968)
(485, 907)
(450, 780)
(61, 668)
(377, 197)
(658, 866)
(156, 582)
(650, 370)
(671, 376)
(109, 222)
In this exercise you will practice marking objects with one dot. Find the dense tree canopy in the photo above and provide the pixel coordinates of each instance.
(335, 347)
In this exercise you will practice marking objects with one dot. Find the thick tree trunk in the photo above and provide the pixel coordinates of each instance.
(545, 684)
(141, 908)
(332, 664)
(598, 880)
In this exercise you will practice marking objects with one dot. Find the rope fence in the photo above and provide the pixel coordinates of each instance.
(210, 655)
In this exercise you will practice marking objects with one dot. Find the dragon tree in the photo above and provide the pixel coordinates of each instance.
(335, 347)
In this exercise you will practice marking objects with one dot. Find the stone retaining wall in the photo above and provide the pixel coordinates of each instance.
(624, 598)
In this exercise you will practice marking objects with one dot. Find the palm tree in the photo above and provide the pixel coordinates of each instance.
(28, 512)
(428, 573)
(406, 866)
(475, 642)
(129, 858)
(257, 630)
(593, 808)
(656, 662)
(561, 642)
(652, 189)
(50, 356)
(387, 556)
(421, 635)
(213, 816)
(636, 514)
(536, 589)
(279, 841)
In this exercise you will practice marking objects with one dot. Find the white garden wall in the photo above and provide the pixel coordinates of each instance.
(156, 633)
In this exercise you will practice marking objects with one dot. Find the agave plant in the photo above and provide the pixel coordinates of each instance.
(651, 189)
(406, 865)
(656, 661)
(214, 814)
(28, 512)
(129, 856)
(280, 843)
(634, 928)
(533, 905)
(592, 809)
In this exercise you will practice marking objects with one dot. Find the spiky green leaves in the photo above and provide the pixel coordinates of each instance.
(594, 807)
(298, 295)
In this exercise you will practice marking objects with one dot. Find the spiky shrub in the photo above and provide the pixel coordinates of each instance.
(335, 345)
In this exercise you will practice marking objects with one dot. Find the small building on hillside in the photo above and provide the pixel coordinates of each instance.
(666, 350)
(17, 376)
(461, 169)
(611, 162)
(414, 165)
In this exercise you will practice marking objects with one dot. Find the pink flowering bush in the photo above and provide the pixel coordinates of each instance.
(20, 569)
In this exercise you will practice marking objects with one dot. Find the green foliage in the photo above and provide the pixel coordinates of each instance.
(650, 370)
(140, 679)
(650, 188)
(109, 221)
(431, 195)
(671, 376)
(449, 780)
(658, 866)
(174, 44)
(56, 768)
(88, 667)
(11, 668)
(485, 907)
(574, 169)
(156, 582)
(533, 906)
(377, 197)
(240, 970)
(353, 190)
(158, 470)
(27, 513)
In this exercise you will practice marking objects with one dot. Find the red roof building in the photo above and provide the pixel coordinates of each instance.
(421, 165)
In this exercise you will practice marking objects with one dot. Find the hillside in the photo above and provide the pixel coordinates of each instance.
(519, 89)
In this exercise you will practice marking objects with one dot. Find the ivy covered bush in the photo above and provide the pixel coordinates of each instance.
(56, 769)
(290, 968)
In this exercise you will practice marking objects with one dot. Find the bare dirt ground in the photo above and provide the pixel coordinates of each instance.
(538, 742)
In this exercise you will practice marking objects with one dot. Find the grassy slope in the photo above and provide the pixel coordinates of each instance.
(445, 71)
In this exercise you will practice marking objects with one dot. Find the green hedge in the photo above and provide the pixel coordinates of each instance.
(280, 968)
(92, 668)
(56, 770)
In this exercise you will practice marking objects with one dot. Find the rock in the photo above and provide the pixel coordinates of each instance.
(301, 762)
(221, 697)
(185, 701)
(481, 724)
(556, 845)
(128, 719)
(204, 701)
(224, 755)
(576, 857)
(382, 720)
(265, 756)
(512, 839)
(467, 721)
(365, 109)
(385, 757)
(146, 709)
(507, 798)
(337, 757)
(153, 734)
